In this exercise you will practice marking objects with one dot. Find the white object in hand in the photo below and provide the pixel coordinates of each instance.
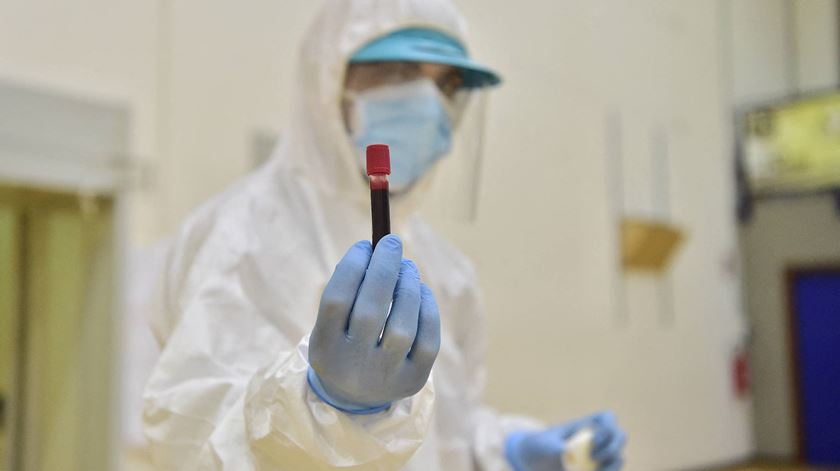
(578, 454)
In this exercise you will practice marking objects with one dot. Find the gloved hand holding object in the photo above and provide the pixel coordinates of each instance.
(593, 443)
(356, 366)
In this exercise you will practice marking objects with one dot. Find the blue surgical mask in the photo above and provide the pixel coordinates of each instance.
(412, 118)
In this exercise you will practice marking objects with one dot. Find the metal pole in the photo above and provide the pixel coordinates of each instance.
(614, 170)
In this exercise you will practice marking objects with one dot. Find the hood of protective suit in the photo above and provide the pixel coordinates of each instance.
(317, 145)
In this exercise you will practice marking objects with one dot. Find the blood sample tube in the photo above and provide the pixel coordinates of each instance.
(378, 169)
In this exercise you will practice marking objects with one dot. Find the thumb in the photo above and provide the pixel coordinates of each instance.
(568, 429)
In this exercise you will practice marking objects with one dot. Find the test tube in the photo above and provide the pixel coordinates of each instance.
(578, 454)
(378, 168)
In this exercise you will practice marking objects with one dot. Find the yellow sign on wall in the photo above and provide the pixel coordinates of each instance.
(795, 146)
(648, 245)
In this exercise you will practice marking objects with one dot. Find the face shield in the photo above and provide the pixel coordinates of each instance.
(431, 114)
(455, 181)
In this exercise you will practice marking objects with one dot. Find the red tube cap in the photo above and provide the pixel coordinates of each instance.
(378, 159)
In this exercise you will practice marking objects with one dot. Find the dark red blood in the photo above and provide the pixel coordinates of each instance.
(378, 169)
(380, 212)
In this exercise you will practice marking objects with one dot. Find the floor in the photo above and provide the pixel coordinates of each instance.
(137, 460)
(776, 467)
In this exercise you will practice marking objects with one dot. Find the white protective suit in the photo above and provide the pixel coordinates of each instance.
(241, 288)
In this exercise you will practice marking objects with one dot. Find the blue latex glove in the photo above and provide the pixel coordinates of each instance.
(542, 451)
(351, 368)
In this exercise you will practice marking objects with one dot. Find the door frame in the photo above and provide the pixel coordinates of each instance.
(67, 141)
(792, 272)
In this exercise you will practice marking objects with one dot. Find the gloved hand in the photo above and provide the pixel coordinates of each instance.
(351, 367)
(543, 451)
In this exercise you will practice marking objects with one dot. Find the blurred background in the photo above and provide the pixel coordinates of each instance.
(673, 255)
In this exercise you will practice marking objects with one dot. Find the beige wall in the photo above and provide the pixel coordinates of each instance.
(203, 77)
(775, 55)
(228, 77)
(816, 44)
(779, 47)
(549, 288)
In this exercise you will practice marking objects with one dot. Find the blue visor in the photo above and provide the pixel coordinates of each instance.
(426, 45)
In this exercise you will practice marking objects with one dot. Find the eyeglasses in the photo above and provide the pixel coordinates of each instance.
(362, 76)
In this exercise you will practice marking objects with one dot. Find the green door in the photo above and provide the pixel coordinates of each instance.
(56, 331)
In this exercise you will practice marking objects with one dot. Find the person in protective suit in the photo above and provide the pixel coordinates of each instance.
(287, 344)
